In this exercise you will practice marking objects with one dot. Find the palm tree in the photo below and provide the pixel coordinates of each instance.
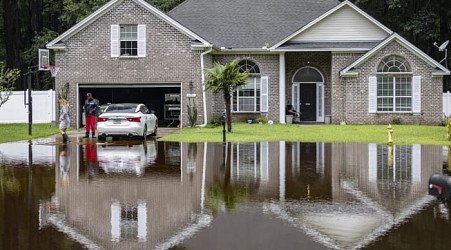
(226, 79)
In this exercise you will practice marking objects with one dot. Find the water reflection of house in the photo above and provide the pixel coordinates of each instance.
(342, 195)
(129, 211)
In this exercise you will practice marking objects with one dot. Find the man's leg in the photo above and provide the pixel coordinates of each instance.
(87, 125)
(93, 125)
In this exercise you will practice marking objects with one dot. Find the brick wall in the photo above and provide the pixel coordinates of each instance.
(350, 95)
(170, 59)
(269, 66)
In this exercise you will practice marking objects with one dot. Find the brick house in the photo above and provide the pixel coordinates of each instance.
(330, 60)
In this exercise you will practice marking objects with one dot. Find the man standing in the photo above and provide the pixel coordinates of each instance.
(91, 108)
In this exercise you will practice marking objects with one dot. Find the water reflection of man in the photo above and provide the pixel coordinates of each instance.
(91, 158)
(64, 165)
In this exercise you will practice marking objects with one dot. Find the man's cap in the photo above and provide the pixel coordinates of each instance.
(88, 94)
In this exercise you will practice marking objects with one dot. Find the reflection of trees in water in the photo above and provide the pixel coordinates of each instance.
(224, 193)
(394, 174)
(8, 182)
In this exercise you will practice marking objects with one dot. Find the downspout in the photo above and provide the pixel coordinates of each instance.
(204, 95)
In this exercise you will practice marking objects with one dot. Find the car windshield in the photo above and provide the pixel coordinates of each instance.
(121, 108)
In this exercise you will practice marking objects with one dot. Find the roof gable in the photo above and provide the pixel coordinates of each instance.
(345, 22)
(110, 5)
(348, 71)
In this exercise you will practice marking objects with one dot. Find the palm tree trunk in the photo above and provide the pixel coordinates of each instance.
(228, 111)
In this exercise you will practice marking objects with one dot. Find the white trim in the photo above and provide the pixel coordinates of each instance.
(345, 3)
(406, 44)
(105, 8)
(282, 86)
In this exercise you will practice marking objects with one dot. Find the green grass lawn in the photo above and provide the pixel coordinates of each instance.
(19, 131)
(242, 132)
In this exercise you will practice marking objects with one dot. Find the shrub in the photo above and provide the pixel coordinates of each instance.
(396, 120)
(260, 120)
(215, 122)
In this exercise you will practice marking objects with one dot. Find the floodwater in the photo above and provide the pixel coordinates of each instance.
(268, 195)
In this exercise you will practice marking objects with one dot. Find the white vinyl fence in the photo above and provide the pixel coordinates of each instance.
(15, 110)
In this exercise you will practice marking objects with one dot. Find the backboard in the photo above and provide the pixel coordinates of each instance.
(44, 59)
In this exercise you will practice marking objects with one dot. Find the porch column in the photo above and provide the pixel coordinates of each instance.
(282, 87)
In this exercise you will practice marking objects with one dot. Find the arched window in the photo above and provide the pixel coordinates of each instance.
(248, 66)
(247, 97)
(394, 85)
(307, 74)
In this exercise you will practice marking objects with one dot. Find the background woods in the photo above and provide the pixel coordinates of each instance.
(27, 25)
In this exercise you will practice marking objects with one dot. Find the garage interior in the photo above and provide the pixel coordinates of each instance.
(164, 100)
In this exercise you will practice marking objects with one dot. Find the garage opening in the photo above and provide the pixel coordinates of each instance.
(164, 100)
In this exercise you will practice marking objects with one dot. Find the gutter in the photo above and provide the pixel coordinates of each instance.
(204, 95)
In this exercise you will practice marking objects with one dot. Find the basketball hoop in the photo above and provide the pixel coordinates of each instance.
(53, 69)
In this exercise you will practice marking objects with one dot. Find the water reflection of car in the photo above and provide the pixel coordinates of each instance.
(130, 157)
(127, 119)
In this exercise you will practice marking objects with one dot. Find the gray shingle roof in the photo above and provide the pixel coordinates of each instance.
(248, 23)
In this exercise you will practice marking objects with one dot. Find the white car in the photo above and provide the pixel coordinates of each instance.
(127, 119)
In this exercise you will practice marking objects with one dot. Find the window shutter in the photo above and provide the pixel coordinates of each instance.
(264, 94)
(372, 94)
(114, 40)
(142, 40)
(416, 94)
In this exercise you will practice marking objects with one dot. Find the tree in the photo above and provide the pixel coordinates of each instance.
(226, 79)
(7, 78)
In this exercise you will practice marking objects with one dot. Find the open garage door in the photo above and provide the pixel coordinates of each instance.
(164, 99)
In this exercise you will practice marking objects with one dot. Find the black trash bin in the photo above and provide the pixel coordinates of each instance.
(440, 186)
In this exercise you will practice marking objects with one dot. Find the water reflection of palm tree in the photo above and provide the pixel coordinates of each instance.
(223, 194)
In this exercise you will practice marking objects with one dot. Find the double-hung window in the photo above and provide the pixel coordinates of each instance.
(396, 88)
(253, 96)
(128, 40)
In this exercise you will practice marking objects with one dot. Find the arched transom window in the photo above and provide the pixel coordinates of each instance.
(248, 66)
(307, 74)
(248, 97)
(394, 85)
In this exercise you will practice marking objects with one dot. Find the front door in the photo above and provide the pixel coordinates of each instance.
(307, 102)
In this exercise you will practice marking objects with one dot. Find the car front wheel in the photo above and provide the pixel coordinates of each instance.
(155, 130)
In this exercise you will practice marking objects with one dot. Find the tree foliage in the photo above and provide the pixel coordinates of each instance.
(225, 79)
(7, 78)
